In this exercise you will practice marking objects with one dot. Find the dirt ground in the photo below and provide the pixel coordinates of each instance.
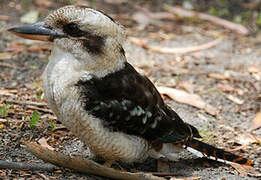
(227, 76)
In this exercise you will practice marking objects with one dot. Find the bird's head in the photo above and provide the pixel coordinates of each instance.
(89, 35)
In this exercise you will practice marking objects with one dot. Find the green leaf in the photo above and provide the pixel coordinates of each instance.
(34, 119)
(213, 11)
(4, 110)
(259, 19)
(52, 125)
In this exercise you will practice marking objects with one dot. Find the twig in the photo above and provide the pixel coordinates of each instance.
(8, 65)
(28, 166)
(43, 176)
(188, 13)
(25, 102)
(84, 165)
(167, 50)
(237, 149)
(39, 109)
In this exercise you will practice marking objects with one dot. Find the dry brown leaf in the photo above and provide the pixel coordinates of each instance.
(5, 55)
(186, 178)
(239, 168)
(3, 120)
(246, 138)
(219, 76)
(253, 69)
(2, 126)
(43, 142)
(234, 99)
(225, 87)
(8, 92)
(186, 98)
(245, 170)
(256, 123)
(187, 85)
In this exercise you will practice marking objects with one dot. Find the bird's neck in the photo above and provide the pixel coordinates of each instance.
(98, 65)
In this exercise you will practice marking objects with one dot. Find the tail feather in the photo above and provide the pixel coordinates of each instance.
(202, 149)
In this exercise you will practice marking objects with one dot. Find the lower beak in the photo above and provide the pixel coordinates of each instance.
(35, 31)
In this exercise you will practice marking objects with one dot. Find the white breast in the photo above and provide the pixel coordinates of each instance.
(60, 77)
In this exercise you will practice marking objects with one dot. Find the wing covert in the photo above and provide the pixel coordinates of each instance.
(127, 102)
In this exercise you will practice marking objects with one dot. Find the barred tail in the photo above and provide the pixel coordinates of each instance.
(202, 149)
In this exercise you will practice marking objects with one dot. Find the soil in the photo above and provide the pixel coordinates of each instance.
(232, 60)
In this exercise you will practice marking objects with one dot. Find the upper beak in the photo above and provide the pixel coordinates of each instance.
(35, 31)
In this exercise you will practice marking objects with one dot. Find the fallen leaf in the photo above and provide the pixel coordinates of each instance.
(43, 142)
(2, 126)
(256, 123)
(187, 85)
(186, 98)
(234, 99)
(5, 55)
(253, 69)
(246, 138)
(245, 170)
(3, 120)
(218, 76)
(239, 168)
(225, 87)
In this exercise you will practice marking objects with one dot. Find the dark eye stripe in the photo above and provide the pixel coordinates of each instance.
(73, 30)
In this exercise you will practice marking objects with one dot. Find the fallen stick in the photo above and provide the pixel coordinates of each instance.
(188, 13)
(25, 102)
(84, 165)
(39, 109)
(8, 65)
(167, 50)
(28, 166)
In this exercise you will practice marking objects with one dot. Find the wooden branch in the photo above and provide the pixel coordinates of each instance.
(188, 13)
(39, 109)
(168, 50)
(26, 102)
(28, 166)
(84, 165)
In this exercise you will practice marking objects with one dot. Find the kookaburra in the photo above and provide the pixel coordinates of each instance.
(102, 99)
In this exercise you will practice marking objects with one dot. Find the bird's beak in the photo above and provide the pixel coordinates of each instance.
(36, 31)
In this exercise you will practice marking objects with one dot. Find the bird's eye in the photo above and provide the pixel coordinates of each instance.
(73, 30)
